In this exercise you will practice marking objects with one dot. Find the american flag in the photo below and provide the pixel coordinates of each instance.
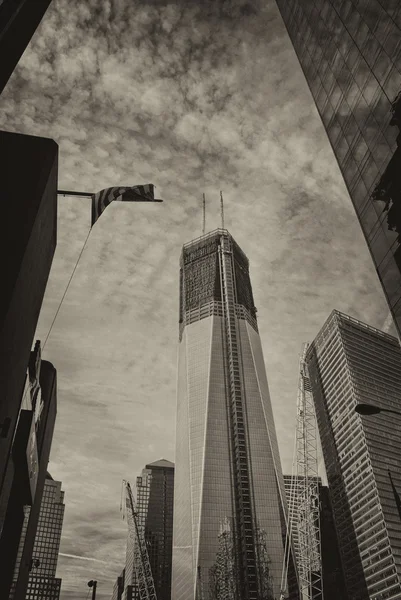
(137, 193)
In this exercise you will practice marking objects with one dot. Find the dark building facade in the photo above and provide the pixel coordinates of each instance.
(28, 234)
(19, 20)
(118, 588)
(31, 451)
(350, 53)
(350, 363)
(154, 503)
(42, 582)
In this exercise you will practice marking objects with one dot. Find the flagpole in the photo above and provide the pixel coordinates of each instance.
(89, 195)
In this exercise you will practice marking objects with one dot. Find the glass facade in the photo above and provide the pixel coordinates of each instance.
(229, 490)
(350, 363)
(42, 582)
(350, 53)
(154, 505)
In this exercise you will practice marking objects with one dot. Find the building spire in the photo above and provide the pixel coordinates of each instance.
(204, 215)
(222, 209)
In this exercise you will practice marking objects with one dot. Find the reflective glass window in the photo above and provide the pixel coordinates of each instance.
(370, 173)
(381, 107)
(371, 49)
(336, 96)
(341, 149)
(368, 218)
(344, 78)
(379, 246)
(352, 94)
(392, 41)
(361, 72)
(353, 21)
(359, 194)
(391, 133)
(382, 67)
(352, 57)
(370, 89)
(370, 130)
(334, 130)
(345, 9)
(350, 170)
(351, 129)
(383, 25)
(381, 151)
(359, 149)
(392, 85)
(361, 111)
(327, 113)
(361, 34)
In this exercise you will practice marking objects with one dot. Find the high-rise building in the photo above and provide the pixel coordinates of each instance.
(154, 505)
(31, 451)
(330, 570)
(350, 53)
(42, 582)
(28, 233)
(229, 497)
(350, 363)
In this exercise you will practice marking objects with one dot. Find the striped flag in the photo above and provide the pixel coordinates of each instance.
(137, 193)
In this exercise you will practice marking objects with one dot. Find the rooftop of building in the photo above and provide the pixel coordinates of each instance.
(161, 464)
(209, 237)
(337, 316)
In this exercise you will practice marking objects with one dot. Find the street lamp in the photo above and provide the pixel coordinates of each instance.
(370, 409)
(93, 583)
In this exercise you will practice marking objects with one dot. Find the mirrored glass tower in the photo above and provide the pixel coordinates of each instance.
(229, 490)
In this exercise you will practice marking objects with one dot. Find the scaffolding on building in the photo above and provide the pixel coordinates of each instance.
(305, 493)
(245, 534)
(143, 572)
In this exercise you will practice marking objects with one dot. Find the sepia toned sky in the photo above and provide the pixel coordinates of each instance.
(193, 97)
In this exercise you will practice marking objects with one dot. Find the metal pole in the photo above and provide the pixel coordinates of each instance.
(89, 195)
(94, 590)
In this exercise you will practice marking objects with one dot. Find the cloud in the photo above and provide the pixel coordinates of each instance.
(83, 558)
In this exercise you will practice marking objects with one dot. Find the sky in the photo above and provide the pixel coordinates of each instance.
(195, 97)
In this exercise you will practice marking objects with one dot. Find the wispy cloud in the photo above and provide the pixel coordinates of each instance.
(104, 562)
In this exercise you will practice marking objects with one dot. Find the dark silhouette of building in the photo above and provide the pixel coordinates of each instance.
(19, 20)
(118, 588)
(31, 451)
(350, 53)
(28, 197)
(348, 363)
(333, 576)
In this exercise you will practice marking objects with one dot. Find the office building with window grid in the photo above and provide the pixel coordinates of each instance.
(229, 497)
(42, 582)
(350, 363)
(350, 53)
(154, 505)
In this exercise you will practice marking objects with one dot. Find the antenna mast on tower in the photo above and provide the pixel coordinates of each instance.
(222, 209)
(204, 215)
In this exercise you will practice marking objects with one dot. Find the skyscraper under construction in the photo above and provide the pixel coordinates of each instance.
(229, 489)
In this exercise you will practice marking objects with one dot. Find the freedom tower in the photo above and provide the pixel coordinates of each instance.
(229, 499)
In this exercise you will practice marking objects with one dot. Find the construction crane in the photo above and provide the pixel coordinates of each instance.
(305, 497)
(143, 572)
